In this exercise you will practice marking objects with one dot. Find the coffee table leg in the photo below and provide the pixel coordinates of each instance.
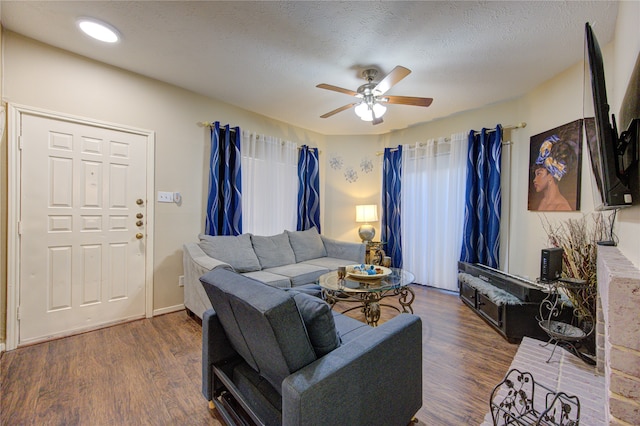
(406, 299)
(372, 313)
(330, 298)
(371, 308)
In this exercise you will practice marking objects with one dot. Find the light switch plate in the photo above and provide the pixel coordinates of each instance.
(165, 197)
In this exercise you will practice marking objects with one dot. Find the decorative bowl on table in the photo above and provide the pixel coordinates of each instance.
(367, 272)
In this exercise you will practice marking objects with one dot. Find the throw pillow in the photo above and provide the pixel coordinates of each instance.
(307, 244)
(319, 322)
(273, 251)
(237, 251)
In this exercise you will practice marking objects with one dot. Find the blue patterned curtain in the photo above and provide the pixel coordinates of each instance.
(308, 189)
(224, 204)
(391, 202)
(481, 238)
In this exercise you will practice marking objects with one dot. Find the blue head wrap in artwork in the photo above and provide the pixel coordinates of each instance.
(557, 168)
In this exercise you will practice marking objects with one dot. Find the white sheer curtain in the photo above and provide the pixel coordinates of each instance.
(269, 184)
(433, 193)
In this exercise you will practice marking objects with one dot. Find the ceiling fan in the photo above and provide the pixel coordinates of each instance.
(370, 107)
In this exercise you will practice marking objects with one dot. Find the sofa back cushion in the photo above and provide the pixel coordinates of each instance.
(274, 250)
(237, 251)
(318, 320)
(261, 322)
(307, 244)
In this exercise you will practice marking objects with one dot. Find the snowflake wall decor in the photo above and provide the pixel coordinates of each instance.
(366, 165)
(350, 175)
(335, 162)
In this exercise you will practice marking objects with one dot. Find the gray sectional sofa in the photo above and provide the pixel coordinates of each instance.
(276, 357)
(290, 259)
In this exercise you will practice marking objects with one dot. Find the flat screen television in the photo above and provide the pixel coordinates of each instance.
(614, 158)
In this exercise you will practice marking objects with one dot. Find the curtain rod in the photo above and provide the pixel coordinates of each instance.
(209, 124)
(520, 125)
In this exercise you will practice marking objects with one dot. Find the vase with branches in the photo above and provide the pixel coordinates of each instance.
(578, 238)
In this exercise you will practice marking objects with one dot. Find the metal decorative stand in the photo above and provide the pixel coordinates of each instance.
(513, 402)
(560, 332)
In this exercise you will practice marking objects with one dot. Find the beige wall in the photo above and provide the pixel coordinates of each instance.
(44, 77)
(556, 102)
(3, 206)
(342, 195)
(626, 47)
(40, 76)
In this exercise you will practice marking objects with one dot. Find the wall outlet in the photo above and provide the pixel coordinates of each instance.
(165, 197)
(181, 281)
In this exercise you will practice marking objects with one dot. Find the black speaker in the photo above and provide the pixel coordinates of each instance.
(551, 264)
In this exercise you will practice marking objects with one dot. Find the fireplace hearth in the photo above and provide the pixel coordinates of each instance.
(618, 334)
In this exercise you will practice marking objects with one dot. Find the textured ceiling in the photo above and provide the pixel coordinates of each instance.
(267, 57)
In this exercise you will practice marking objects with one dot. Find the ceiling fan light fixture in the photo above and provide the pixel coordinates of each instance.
(379, 109)
(364, 112)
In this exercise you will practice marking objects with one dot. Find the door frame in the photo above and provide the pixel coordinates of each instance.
(14, 172)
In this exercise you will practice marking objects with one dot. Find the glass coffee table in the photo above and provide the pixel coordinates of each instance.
(368, 293)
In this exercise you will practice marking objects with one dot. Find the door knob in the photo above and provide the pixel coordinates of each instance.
(139, 236)
(139, 201)
(139, 223)
(139, 215)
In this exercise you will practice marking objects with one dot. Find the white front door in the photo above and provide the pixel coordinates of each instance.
(82, 227)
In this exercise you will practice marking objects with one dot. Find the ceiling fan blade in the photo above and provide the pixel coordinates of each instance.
(337, 89)
(391, 79)
(337, 110)
(408, 100)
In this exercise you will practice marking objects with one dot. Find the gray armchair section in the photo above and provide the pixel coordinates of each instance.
(275, 357)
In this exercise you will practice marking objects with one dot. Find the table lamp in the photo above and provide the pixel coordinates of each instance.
(365, 214)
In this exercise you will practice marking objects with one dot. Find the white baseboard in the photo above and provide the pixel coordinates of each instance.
(168, 309)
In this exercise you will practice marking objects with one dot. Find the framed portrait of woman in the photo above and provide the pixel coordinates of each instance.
(555, 165)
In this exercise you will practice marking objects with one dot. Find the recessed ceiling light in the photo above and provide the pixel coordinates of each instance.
(98, 30)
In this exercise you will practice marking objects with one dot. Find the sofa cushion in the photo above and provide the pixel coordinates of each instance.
(274, 250)
(330, 263)
(306, 244)
(300, 273)
(318, 319)
(349, 328)
(237, 251)
(274, 280)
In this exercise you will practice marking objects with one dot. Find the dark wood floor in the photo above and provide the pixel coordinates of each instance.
(148, 371)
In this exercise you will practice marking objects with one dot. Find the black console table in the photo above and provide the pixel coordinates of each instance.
(507, 303)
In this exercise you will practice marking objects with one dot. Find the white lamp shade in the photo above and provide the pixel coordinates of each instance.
(367, 213)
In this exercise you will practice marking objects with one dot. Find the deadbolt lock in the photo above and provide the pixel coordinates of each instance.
(139, 236)
(139, 201)
(139, 223)
(139, 216)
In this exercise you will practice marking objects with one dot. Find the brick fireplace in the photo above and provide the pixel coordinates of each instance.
(618, 335)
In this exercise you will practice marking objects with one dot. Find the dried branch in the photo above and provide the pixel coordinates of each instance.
(578, 238)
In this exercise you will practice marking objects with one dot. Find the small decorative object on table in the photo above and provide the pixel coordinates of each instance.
(367, 272)
(514, 402)
(342, 272)
(374, 253)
